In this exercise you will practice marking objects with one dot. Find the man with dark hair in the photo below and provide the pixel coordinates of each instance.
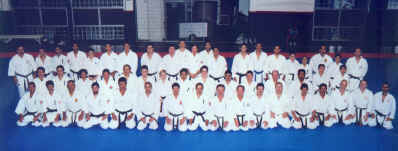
(320, 58)
(127, 57)
(362, 99)
(303, 110)
(241, 64)
(280, 107)
(197, 108)
(76, 60)
(240, 107)
(153, 60)
(258, 63)
(125, 103)
(175, 111)
(383, 108)
(21, 68)
(75, 103)
(260, 109)
(343, 104)
(26, 109)
(220, 117)
(148, 108)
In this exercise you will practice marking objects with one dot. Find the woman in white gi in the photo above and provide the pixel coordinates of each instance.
(280, 107)
(303, 110)
(174, 107)
(60, 80)
(260, 110)
(383, 108)
(362, 99)
(343, 104)
(125, 103)
(220, 117)
(148, 108)
(27, 107)
(197, 108)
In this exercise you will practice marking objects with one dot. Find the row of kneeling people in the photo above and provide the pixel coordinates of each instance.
(185, 110)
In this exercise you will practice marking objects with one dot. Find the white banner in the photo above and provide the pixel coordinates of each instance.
(128, 5)
(282, 5)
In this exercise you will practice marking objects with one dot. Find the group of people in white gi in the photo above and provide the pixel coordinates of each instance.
(192, 89)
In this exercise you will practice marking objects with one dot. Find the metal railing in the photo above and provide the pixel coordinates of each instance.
(333, 33)
(51, 31)
(98, 4)
(98, 32)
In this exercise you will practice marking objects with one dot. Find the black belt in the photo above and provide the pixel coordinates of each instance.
(340, 114)
(153, 74)
(26, 79)
(125, 115)
(301, 116)
(29, 113)
(74, 116)
(216, 78)
(161, 103)
(220, 121)
(321, 117)
(98, 115)
(175, 117)
(291, 74)
(241, 75)
(51, 110)
(172, 75)
(354, 77)
(74, 72)
(358, 113)
(200, 114)
(259, 119)
(382, 115)
(240, 119)
(257, 73)
(150, 116)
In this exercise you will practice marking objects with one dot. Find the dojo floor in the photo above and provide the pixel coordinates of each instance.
(338, 137)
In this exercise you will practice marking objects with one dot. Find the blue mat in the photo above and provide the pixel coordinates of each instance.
(338, 137)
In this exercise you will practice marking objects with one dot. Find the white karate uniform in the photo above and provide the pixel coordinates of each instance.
(259, 66)
(27, 106)
(269, 86)
(303, 110)
(55, 106)
(206, 57)
(386, 107)
(323, 107)
(109, 87)
(125, 105)
(111, 62)
(140, 83)
(230, 89)
(76, 63)
(294, 87)
(132, 82)
(259, 111)
(60, 60)
(362, 104)
(343, 102)
(279, 106)
(335, 82)
(60, 84)
(240, 65)
(175, 106)
(250, 88)
(184, 59)
(153, 64)
(196, 63)
(290, 71)
(84, 86)
(41, 106)
(75, 104)
(185, 86)
(217, 67)
(41, 87)
(130, 58)
(334, 69)
(275, 62)
(93, 66)
(318, 59)
(209, 86)
(22, 68)
(317, 80)
(46, 64)
(97, 107)
(240, 108)
(220, 112)
(171, 65)
(356, 69)
(197, 108)
(148, 107)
